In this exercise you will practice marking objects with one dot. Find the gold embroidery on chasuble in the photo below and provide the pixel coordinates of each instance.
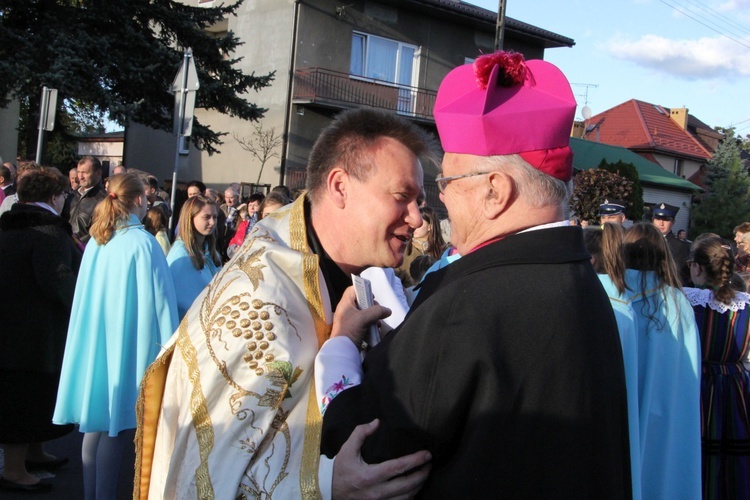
(251, 485)
(204, 430)
(246, 333)
(313, 422)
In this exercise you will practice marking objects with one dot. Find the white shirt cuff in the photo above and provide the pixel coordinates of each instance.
(338, 366)
(325, 476)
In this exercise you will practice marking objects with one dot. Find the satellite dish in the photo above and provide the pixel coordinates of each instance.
(586, 112)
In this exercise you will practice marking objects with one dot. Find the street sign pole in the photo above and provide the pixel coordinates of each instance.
(179, 96)
(184, 87)
(46, 118)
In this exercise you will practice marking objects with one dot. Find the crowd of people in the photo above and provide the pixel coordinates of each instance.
(95, 255)
(520, 356)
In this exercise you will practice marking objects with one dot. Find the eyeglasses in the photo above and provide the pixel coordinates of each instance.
(442, 182)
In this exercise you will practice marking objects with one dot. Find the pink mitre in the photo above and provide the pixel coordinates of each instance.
(503, 105)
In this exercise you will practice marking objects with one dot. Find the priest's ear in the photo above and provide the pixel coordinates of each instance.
(337, 186)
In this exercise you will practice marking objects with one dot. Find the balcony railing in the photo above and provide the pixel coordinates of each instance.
(324, 86)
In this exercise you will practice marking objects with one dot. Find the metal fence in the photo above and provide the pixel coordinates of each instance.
(324, 86)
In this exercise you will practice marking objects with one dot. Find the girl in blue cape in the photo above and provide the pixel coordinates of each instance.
(124, 310)
(668, 368)
(604, 243)
(193, 259)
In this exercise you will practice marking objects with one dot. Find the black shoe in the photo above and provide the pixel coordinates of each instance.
(40, 487)
(49, 465)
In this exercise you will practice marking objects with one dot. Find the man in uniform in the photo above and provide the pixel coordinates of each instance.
(612, 211)
(508, 367)
(228, 410)
(662, 216)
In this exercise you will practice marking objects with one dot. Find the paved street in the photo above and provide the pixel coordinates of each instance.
(68, 480)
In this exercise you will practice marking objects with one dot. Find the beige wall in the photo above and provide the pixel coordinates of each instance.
(265, 27)
(689, 167)
(102, 150)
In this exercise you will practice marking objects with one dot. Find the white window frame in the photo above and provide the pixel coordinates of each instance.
(415, 64)
(409, 109)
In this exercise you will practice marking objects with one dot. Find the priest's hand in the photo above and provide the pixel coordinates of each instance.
(355, 479)
(349, 321)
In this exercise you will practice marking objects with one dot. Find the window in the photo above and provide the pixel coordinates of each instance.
(382, 59)
(386, 60)
(678, 167)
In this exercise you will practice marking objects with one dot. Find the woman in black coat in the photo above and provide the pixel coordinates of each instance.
(38, 271)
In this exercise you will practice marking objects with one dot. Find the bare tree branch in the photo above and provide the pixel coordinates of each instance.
(262, 145)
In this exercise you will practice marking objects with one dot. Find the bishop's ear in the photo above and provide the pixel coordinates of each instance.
(501, 190)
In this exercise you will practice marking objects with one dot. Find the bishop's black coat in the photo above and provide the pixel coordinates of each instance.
(509, 370)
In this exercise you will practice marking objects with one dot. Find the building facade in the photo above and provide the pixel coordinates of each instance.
(327, 56)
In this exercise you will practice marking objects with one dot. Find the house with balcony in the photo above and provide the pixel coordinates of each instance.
(328, 56)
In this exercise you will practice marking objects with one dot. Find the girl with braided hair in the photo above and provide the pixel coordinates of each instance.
(723, 319)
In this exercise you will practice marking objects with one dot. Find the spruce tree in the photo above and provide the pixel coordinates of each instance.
(120, 58)
(726, 202)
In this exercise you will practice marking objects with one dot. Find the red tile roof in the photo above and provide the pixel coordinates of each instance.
(646, 128)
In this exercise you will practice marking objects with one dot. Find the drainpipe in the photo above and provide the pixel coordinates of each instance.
(287, 117)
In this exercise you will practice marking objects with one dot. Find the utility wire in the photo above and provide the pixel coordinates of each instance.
(713, 12)
(717, 22)
(687, 14)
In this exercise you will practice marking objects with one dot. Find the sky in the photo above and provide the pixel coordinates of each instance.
(675, 53)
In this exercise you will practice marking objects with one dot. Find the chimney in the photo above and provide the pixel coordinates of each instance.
(680, 116)
(578, 130)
